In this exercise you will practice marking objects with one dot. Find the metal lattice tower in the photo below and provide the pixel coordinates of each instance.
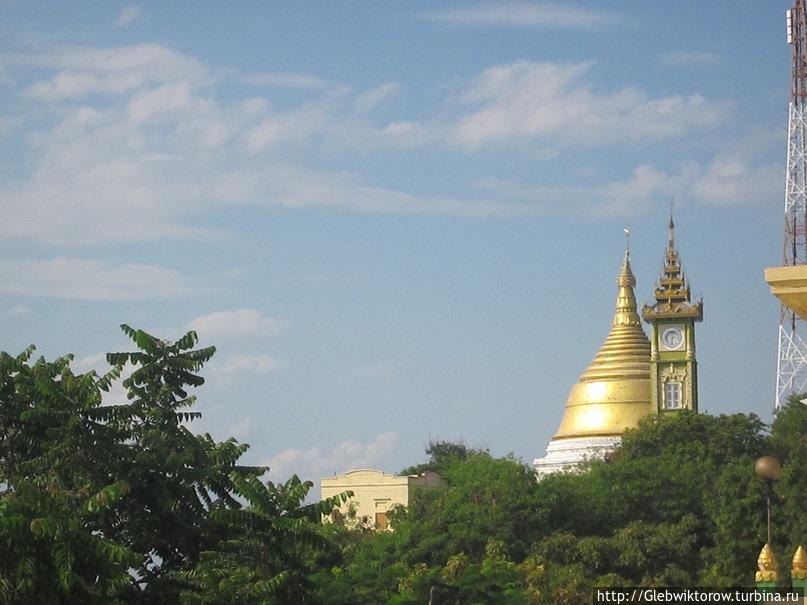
(791, 367)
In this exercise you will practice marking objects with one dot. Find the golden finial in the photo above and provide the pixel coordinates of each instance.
(798, 569)
(627, 242)
(672, 205)
(671, 227)
(626, 314)
(767, 565)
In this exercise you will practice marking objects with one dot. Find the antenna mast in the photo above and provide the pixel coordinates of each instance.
(791, 367)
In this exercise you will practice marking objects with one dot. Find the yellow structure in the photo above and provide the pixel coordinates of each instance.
(612, 395)
(767, 567)
(673, 367)
(375, 493)
(631, 376)
(613, 392)
(798, 568)
(789, 285)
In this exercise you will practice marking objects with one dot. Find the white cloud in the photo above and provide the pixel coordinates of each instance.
(525, 100)
(119, 70)
(87, 279)
(295, 126)
(725, 180)
(143, 166)
(139, 169)
(295, 187)
(314, 463)
(526, 14)
(695, 59)
(379, 371)
(286, 80)
(240, 324)
(127, 16)
(369, 99)
(256, 364)
(18, 310)
(237, 334)
(728, 181)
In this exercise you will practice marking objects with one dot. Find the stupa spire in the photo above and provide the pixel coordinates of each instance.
(613, 393)
(626, 314)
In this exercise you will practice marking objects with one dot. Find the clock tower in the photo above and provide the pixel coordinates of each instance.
(673, 366)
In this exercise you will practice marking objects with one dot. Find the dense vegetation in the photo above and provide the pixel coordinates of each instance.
(677, 504)
(123, 503)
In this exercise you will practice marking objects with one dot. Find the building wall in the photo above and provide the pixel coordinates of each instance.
(375, 492)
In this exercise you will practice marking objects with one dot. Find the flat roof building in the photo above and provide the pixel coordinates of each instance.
(375, 493)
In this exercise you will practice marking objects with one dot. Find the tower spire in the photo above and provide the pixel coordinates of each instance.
(791, 366)
(673, 372)
(671, 228)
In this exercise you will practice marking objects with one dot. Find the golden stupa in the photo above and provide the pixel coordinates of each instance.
(767, 567)
(613, 394)
(799, 566)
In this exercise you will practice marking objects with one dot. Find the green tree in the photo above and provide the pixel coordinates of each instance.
(485, 499)
(176, 478)
(789, 444)
(677, 504)
(442, 454)
(268, 550)
(114, 503)
(55, 488)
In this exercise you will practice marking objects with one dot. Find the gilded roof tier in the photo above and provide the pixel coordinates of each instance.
(672, 292)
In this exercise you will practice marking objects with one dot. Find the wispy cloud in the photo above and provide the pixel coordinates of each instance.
(127, 16)
(145, 144)
(255, 364)
(369, 99)
(526, 14)
(526, 100)
(295, 126)
(241, 338)
(725, 180)
(732, 180)
(88, 279)
(695, 59)
(83, 71)
(286, 80)
(315, 463)
(166, 149)
(377, 371)
(239, 324)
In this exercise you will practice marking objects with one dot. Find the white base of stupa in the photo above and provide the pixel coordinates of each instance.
(568, 454)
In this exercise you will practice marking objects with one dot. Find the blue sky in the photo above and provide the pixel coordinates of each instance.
(396, 221)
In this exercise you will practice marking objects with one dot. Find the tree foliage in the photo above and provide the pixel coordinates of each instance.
(122, 502)
(676, 505)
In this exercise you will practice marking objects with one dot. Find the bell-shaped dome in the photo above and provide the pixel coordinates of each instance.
(613, 394)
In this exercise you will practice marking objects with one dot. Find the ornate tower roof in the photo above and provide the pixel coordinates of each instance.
(613, 394)
(672, 291)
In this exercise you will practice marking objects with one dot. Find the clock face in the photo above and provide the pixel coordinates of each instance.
(672, 338)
